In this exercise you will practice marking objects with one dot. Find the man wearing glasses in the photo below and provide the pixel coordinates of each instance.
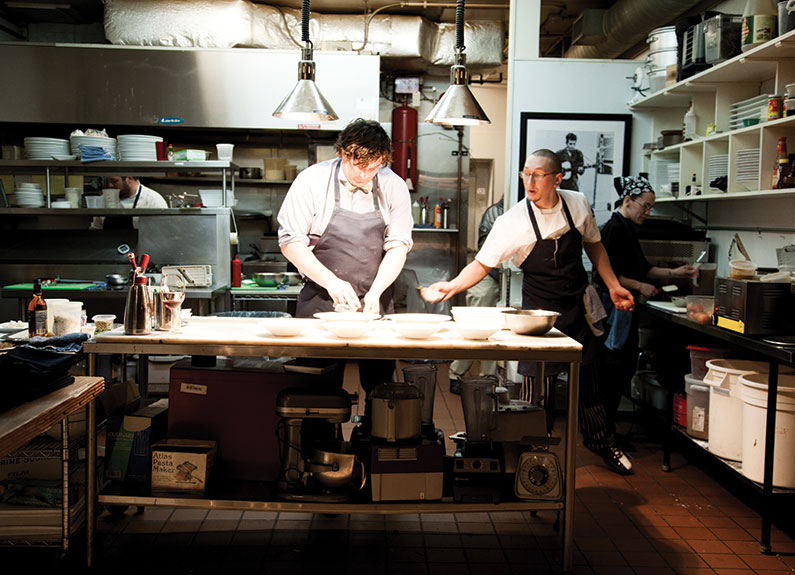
(545, 236)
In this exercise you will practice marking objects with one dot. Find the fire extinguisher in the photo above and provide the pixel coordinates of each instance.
(404, 143)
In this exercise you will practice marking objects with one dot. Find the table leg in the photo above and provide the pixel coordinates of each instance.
(91, 481)
(770, 450)
(571, 466)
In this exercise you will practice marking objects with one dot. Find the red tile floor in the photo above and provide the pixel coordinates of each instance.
(650, 523)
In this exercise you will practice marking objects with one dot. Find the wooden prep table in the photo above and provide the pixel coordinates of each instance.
(247, 337)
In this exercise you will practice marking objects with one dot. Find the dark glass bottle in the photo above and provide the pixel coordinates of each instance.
(782, 169)
(37, 312)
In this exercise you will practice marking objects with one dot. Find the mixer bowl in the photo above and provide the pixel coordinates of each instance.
(267, 279)
(530, 321)
(332, 464)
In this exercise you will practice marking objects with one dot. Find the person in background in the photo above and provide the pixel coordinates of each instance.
(346, 226)
(545, 236)
(572, 163)
(485, 293)
(132, 195)
(619, 361)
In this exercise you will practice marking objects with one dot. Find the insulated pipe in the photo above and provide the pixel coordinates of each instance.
(629, 22)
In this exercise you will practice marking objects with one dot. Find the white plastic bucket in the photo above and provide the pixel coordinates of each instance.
(697, 407)
(726, 404)
(754, 394)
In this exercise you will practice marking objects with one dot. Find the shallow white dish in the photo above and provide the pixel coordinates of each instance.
(287, 326)
(481, 330)
(476, 314)
(350, 316)
(64, 157)
(417, 329)
(347, 329)
(418, 317)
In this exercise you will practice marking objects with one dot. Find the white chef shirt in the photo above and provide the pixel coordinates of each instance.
(309, 203)
(513, 237)
(147, 198)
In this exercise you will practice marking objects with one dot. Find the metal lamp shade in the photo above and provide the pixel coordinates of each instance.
(306, 103)
(458, 107)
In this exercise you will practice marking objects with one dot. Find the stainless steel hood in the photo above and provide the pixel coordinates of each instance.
(97, 85)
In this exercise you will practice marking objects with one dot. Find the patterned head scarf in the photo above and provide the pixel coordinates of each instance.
(631, 186)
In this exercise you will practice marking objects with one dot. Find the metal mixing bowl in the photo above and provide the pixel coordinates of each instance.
(290, 278)
(530, 321)
(267, 279)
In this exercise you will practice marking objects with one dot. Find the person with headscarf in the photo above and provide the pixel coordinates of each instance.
(635, 273)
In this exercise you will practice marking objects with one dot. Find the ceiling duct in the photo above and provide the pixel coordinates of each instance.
(587, 29)
(409, 43)
(629, 22)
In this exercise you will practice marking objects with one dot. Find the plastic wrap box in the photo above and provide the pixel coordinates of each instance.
(129, 439)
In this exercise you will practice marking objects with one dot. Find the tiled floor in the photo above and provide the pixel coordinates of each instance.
(650, 523)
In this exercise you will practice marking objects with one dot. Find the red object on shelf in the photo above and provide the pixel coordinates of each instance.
(237, 272)
(404, 143)
(680, 409)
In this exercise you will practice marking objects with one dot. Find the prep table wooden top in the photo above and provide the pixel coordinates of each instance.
(248, 336)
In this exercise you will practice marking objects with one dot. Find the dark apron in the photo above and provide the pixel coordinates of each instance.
(121, 222)
(555, 279)
(352, 248)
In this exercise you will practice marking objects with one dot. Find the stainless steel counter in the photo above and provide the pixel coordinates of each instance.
(248, 337)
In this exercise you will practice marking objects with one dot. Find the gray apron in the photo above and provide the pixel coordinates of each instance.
(352, 247)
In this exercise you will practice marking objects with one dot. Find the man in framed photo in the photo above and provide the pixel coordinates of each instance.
(572, 163)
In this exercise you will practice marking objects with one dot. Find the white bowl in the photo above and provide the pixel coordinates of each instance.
(347, 329)
(480, 330)
(287, 326)
(477, 314)
(418, 317)
(417, 329)
(348, 316)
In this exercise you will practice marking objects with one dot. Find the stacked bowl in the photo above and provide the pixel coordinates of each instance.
(45, 148)
(107, 144)
(28, 195)
(138, 148)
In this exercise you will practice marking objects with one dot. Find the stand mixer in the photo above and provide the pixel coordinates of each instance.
(316, 464)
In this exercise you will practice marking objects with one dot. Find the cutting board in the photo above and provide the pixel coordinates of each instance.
(56, 287)
(666, 306)
(255, 287)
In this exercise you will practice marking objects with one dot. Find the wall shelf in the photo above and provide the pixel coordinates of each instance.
(790, 192)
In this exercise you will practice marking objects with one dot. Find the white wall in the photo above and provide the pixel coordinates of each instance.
(488, 142)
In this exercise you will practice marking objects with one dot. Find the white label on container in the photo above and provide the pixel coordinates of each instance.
(698, 419)
(193, 388)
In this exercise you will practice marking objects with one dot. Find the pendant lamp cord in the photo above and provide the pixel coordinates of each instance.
(459, 26)
(305, 23)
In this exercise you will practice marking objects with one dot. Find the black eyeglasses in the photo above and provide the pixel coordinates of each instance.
(645, 205)
(537, 175)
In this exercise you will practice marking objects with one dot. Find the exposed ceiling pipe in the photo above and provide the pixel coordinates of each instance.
(629, 22)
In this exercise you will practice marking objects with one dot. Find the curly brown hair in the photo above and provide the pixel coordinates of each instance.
(364, 142)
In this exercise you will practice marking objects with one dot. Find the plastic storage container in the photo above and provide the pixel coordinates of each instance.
(754, 395)
(722, 37)
(699, 356)
(726, 404)
(680, 409)
(67, 317)
(742, 270)
(697, 408)
(700, 309)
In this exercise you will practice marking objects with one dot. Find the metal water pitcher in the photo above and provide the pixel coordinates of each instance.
(138, 310)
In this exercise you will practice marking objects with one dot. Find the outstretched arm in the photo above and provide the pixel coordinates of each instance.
(468, 277)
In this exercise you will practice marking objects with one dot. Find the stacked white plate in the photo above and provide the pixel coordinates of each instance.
(747, 110)
(107, 144)
(718, 166)
(138, 148)
(28, 195)
(673, 172)
(45, 148)
(748, 165)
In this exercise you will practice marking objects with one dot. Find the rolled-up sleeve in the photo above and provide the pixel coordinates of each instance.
(298, 210)
(398, 219)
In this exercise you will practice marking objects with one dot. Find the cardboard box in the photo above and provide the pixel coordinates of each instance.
(39, 459)
(129, 439)
(182, 465)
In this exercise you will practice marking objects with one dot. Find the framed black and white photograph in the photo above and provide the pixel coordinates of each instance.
(593, 148)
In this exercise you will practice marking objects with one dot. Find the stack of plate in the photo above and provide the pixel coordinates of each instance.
(673, 172)
(28, 195)
(45, 148)
(138, 148)
(107, 144)
(658, 174)
(748, 165)
(750, 109)
(718, 166)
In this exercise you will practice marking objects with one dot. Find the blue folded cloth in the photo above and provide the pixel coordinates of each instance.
(93, 153)
(69, 343)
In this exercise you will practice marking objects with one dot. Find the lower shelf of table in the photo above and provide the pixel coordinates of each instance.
(245, 496)
(734, 467)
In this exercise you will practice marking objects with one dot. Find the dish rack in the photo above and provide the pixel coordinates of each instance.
(192, 275)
